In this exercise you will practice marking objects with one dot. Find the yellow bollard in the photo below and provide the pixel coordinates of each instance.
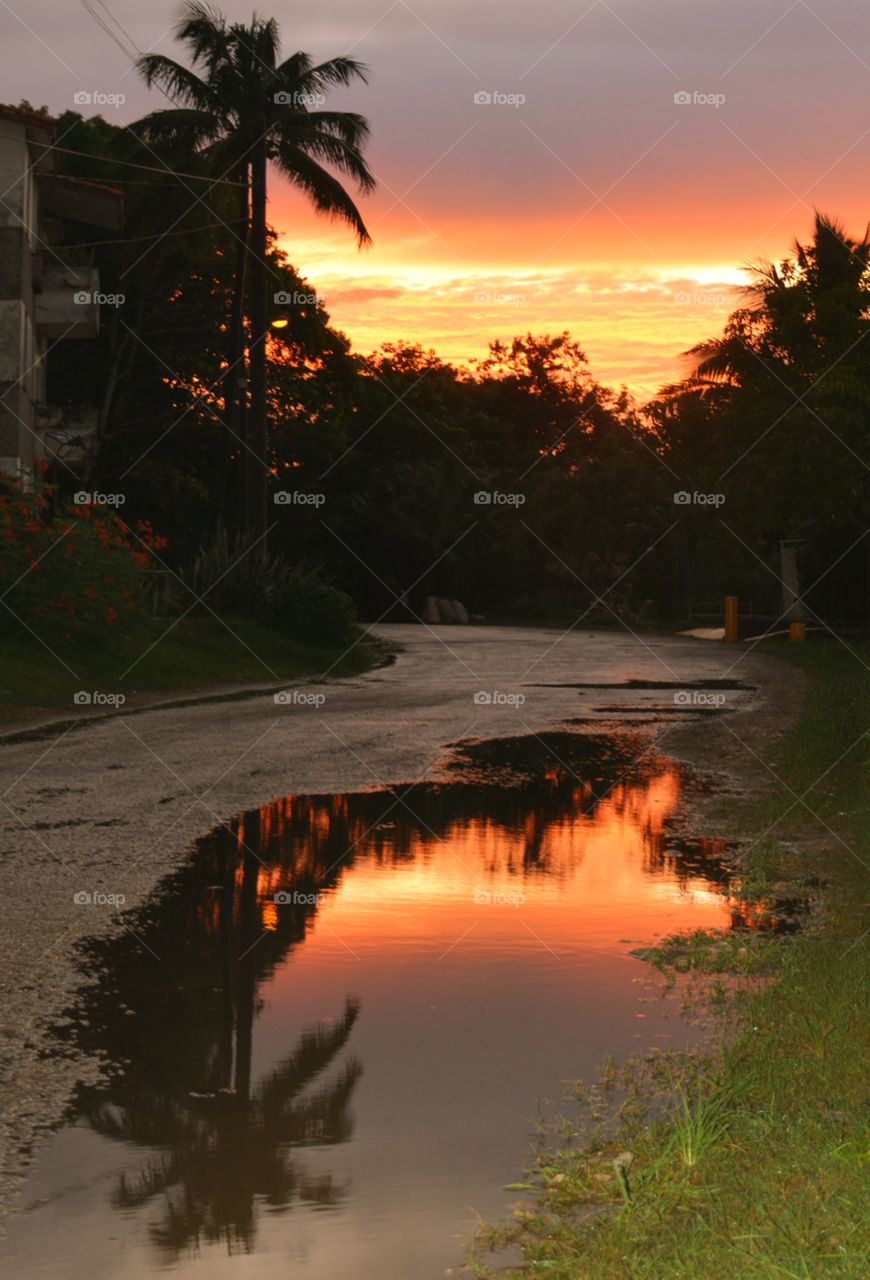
(797, 631)
(731, 619)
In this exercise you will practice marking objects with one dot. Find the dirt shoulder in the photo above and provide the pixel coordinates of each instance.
(737, 747)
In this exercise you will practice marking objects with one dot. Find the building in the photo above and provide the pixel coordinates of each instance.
(48, 293)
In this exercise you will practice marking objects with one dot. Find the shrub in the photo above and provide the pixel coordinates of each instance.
(231, 578)
(310, 610)
(78, 575)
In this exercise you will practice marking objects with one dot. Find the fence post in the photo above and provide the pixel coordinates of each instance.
(731, 618)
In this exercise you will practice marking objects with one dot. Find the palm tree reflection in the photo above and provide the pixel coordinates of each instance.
(227, 1152)
(182, 1026)
(224, 1153)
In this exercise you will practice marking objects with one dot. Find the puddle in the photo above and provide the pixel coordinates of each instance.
(327, 1035)
(647, 684)
(660, 709)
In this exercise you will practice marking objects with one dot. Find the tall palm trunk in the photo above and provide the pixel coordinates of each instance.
(248, 934)
(257, 458)
(235, 376)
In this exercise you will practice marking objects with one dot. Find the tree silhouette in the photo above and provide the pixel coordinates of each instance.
(245, 109)
(223, 1151)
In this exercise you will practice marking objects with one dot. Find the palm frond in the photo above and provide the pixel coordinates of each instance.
(837, 259)
(351, 128)
(179, 124)
(293, 70)
(224, 101)
(717, 360)
(255, 50)
(227, 156)
(325, 191)
(333, 74)
(293, 140)
(204, 30)
(178, 81)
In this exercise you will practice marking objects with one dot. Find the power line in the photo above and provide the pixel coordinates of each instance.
(111, 180)
(101, 23)
(129, 164)
(133, 58)
(157, 235)
(125, 33)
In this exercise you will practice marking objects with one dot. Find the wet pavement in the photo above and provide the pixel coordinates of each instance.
(95, 819)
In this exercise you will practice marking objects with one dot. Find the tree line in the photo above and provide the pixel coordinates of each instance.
(232, 411)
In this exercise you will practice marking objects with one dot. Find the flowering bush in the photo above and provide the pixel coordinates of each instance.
(76, 575)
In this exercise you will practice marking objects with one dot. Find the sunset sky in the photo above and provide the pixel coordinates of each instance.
(599, 204)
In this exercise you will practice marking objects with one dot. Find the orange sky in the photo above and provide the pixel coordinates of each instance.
(657, 147)
(600, 204)
(637, 283)
(632, 319)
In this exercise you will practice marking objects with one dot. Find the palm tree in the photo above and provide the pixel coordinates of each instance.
(238, 107)
(805, 315)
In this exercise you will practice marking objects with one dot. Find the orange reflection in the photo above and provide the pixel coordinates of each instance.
(587, 861)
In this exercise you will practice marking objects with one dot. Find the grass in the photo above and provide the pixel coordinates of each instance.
(714, 951)
(749, 1159)
(701, 1123)
(196, 655)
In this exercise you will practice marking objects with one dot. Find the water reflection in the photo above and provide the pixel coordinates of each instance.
(223, 1152)
(390, 900)
(175, 1010)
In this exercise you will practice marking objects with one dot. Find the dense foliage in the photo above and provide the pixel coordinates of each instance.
(378, 462)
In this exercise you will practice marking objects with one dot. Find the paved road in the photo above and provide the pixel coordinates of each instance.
(140, 787)
(111, 808)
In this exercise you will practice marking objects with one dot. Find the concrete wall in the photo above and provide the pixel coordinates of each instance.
(19, 380)
(42, 299)
(16, 205)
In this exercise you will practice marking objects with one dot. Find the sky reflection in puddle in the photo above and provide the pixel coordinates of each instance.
(329, 1032)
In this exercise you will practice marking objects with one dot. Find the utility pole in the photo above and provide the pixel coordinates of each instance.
(258, 459)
